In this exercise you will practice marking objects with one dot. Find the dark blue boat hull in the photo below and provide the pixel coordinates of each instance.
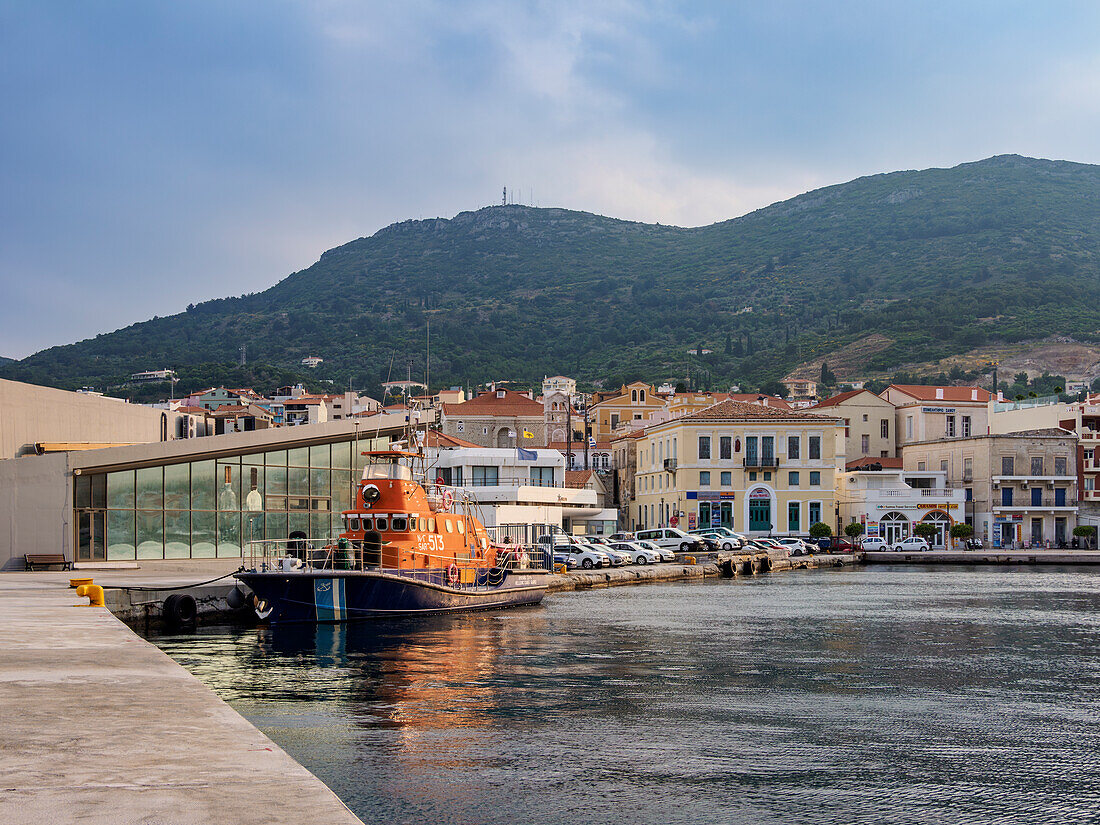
(344, 596)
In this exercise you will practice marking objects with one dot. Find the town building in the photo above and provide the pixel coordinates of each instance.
(1083, 417)
(633, 407)
(175, 501)
(929, 413)
(754, 469)
(497, 418)
(868, 423)
(519, 486)
(890, 503)
(36, 419)
(1020, 488)
(558, 394)
(801, 389)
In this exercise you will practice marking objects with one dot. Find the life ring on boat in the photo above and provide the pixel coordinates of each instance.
(448, 499)
(452, 573)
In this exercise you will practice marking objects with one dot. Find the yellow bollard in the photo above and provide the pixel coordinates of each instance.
(689, 560)
(560, 568)
(94, 593)
(78, 582)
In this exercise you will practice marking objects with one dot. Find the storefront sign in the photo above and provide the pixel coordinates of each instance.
(948, 410)
(691, 521)
(760, 494)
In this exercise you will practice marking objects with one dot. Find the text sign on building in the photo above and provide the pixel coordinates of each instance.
(937, 409)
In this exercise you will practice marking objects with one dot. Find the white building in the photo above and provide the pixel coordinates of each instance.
(890, 502)
(510, 489)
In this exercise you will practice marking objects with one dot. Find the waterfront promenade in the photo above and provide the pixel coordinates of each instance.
(101, 726)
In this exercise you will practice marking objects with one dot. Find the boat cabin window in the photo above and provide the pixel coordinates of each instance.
(353, 524)
(449, 525)
(396, 472)
(423, 525)
(381, 523)
(462, 527)
(400, 523)
(431, 525)
(368, 524)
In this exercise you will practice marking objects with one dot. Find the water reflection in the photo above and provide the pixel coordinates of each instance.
(885, 695)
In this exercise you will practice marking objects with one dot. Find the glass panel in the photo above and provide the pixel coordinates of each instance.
(298, 481)
(319, 526)
(229, 534)
(298, 523)
(341, 490)
(275, 480)
(177, 487)
(253, 526)
(99, 528)
(319, 483)
(203, 484)
(276, 458)
(203, 537)
(177, 534)
(120, 493)
(298, 457)
(150, 489)
(253, 459)
(275, 526)
(341, 455)
(120, 530)
(320, 455)
(84, 536)
(229, 488)
(254, 488)
(83, 487)
(150, 531)
(99, 491)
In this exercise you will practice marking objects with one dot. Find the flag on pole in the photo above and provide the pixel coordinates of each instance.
(526, 455)
(528, 434)
(592, 442)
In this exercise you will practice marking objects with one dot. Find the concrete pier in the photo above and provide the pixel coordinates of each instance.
(703, 568)
(101, 726)
(1037, 556)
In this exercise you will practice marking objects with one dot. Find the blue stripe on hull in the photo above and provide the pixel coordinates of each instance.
(298, 597)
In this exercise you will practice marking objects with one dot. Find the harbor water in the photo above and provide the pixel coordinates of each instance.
(877, 695)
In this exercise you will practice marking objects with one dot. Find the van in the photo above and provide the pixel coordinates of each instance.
(672, 538)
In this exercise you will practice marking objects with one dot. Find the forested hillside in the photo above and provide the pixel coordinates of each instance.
(934, 262)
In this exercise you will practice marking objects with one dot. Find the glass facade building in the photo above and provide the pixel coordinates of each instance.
(212, 507)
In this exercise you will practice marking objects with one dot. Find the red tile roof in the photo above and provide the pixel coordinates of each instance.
(577, 477)
(922, 392)
(754, 398)
(841, 398)
(438, 439)
(487, 403)
(578, 446)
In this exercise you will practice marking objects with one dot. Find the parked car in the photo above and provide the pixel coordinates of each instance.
(621, 537)
(721, 531)
(911, 544)
(664, 553)
(875, 544)
(795, 545)
(771, 544)
(614, 557)
(574, 555)
(673, 538)
(637, 553)
(721, 542)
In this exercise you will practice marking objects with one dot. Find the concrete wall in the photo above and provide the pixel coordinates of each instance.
(29, 413)
(36, 508)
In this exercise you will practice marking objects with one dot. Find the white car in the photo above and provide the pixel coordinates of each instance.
(673, 538)
(663, 552)
(573, 555)
(614, 557)
(796, 545)
(911, 544)
(723, 541)
(874, 544)
(637, 553)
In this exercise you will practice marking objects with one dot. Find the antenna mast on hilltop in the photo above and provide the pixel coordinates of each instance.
(504, 197)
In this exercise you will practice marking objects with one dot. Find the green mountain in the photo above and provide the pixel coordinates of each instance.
(932, 263)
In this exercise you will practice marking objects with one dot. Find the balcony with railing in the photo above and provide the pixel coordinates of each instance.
(761, 461)
(1046, 503)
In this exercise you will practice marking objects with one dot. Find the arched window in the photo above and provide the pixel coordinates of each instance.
(641, 396)
(894, 526)
(633, 395)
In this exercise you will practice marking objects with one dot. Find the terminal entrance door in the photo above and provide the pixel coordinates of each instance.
(90, 517)
(760, 511)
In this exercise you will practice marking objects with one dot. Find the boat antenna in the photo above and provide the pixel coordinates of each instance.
(389, 373)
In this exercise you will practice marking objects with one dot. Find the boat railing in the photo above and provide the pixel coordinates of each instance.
(306, 555)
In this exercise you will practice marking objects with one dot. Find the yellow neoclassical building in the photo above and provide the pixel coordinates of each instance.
(754, 469)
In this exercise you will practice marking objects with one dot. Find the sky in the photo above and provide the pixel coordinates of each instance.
(155, 154)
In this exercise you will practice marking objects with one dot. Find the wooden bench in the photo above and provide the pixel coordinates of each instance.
(33, 560)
